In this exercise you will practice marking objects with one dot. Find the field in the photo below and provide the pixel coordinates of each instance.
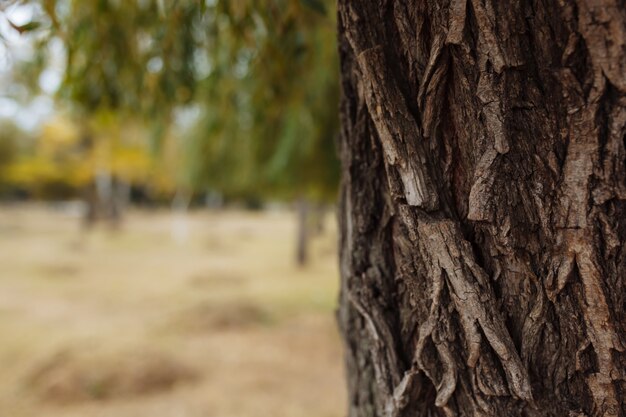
(200, 316)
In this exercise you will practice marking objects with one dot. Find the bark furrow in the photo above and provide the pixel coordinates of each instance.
(483, 207)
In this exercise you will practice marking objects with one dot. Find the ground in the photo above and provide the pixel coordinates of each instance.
(166, 317)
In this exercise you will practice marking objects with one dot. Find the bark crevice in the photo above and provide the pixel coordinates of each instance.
(483, 209)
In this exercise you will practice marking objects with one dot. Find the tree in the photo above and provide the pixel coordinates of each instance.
(127, 67)
(269, 114)
(270, 118)
(483, 211)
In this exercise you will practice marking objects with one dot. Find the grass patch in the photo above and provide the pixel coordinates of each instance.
(69, 377)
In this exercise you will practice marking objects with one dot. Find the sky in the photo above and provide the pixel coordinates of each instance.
(30, 111)
(26, 110)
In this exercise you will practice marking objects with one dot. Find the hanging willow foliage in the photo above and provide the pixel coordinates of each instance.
(263, 75)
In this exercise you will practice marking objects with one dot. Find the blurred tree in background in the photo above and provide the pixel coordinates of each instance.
(261, 77)
(128, 65)
(269, 113)
(237, 98)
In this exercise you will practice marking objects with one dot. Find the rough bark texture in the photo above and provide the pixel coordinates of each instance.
(483, 209)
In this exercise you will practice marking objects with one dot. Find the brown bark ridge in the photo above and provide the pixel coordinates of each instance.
(483, 212)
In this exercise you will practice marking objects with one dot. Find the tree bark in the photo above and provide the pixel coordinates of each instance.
(483, 212)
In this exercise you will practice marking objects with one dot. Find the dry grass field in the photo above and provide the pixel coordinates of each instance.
(213, 322)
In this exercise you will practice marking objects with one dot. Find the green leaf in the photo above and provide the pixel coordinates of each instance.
(316, 5)
(27, 27)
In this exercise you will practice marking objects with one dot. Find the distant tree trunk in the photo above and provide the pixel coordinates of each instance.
(105, 189)
(483, 212)
(105, 198)
(303, 233)
(90, 199)
(90, 192)
(122, 195)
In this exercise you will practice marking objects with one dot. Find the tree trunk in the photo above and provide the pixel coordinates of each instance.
(483, 212)
(105, 197)
(303, 237)
(90, 199)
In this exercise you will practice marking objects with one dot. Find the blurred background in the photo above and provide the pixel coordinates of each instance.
(168, 175)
